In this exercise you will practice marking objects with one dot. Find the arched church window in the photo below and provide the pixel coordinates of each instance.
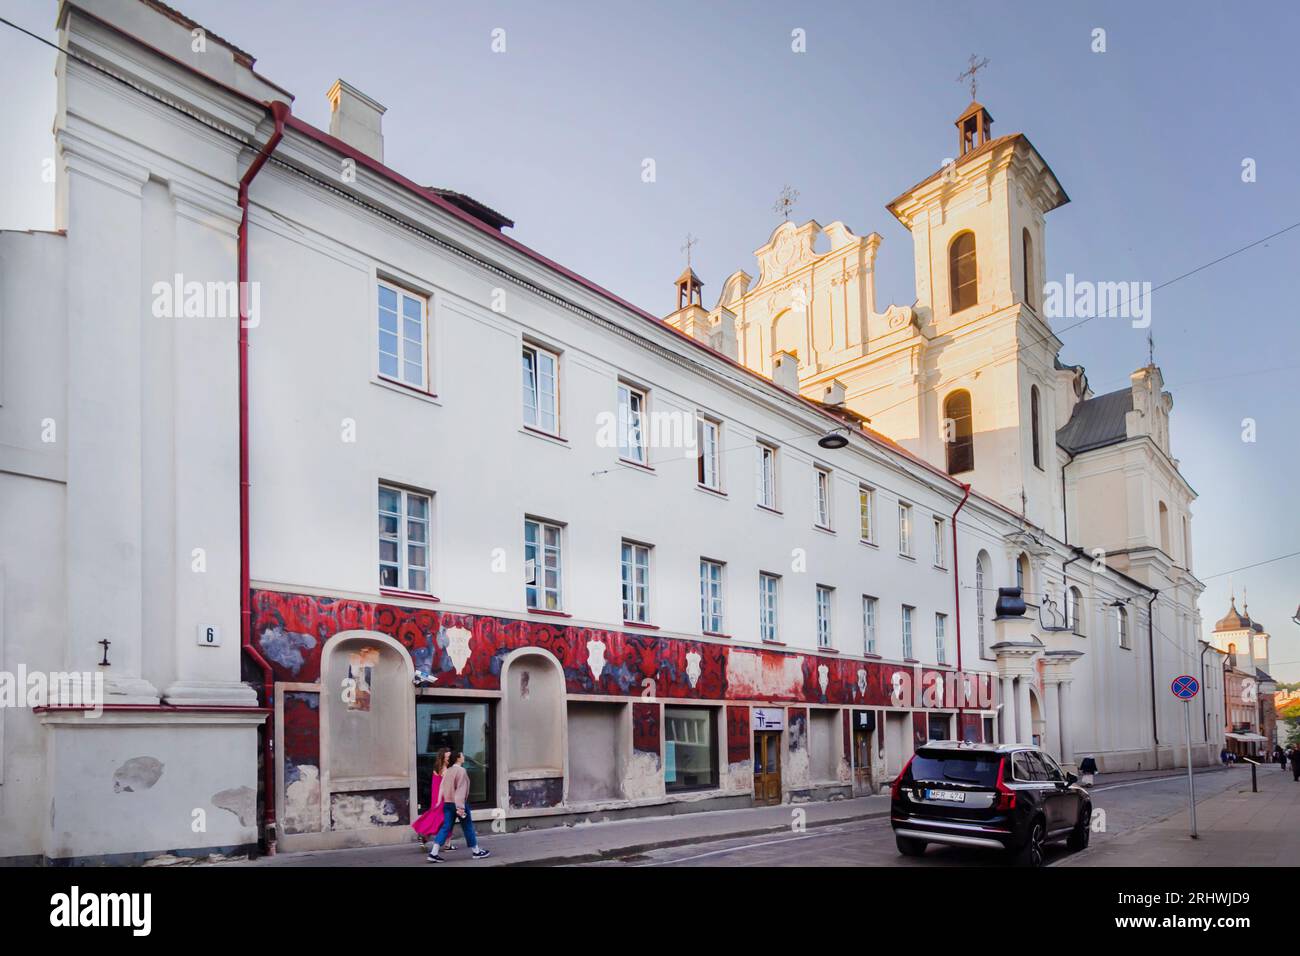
(1027, 247)
(1074, 609)
(1164, 528)
(963, 274)
(1035, 416)
(1022, 572)
(958, 432)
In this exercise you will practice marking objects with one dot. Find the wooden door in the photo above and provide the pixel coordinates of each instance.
(862, 757)
(767, 767)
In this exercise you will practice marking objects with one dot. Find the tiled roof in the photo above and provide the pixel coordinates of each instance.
(1097, 422)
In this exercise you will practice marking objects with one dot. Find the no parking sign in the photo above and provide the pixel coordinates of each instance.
(1185, 687)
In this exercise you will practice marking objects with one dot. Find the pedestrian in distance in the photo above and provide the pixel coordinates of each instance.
(1223, 756)
(1295, 763)
(430, 821)
(454, 794)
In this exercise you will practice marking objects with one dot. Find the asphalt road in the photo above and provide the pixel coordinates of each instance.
(871, 842)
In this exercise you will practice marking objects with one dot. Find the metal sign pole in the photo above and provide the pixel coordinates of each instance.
(1191, 782)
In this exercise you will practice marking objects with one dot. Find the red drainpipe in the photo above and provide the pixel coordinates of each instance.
(280, 112)
(956, 600)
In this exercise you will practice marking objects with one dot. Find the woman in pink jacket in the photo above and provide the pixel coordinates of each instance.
(455, 809)
(430, 822)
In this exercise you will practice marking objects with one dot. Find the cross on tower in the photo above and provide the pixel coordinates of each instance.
(975, 67)
(690, 243)
(785, 202)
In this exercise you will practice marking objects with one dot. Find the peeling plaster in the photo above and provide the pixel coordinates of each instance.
(740, 776)
(643, 778)
(301, 799)
(241, 801)
(138, 773)
(361, 811)
(758, 675)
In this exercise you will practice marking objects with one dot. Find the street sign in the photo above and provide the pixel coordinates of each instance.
(1185, 687)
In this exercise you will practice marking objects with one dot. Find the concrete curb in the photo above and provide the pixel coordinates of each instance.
(598, 856)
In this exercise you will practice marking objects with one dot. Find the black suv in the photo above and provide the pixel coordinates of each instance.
(1008, 797)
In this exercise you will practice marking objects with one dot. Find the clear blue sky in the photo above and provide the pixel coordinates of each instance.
(1147, 138)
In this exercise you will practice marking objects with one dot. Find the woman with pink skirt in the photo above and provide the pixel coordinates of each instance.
(430, 821)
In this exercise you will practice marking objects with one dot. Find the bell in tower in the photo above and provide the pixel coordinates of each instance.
(973, 128)
(689, 289)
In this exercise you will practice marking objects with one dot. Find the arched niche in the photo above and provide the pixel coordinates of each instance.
(367, 719)
(533, 715)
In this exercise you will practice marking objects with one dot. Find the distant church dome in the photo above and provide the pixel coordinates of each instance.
(1233, 621)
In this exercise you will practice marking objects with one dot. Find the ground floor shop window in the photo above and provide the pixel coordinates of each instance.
(690, 748)
(939, 726)
(456, 725)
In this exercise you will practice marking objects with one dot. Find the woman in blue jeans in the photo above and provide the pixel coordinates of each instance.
(454, 794)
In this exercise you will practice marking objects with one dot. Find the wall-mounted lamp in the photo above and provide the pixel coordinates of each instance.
(835, 438)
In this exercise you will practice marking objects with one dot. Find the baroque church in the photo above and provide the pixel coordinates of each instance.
(969, 378)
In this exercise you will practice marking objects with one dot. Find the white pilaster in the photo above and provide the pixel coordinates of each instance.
(104, 500)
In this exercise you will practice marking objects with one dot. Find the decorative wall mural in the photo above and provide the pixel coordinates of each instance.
(738, 734)
(465, 651)
(596, 657)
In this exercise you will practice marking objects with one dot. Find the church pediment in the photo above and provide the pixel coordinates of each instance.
(789, 249)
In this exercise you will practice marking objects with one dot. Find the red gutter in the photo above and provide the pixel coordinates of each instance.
(279, 111)
(956, 602)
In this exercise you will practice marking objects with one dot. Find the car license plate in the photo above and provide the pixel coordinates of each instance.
(952, 796)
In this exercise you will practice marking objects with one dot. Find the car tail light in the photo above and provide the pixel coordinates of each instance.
(898, 781)
(1006, 796)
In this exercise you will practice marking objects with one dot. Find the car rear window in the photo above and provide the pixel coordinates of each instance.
(978, 770)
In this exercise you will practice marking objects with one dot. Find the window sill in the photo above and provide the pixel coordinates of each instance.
(770, 510)
(715, 634)
(716, 492)
(828, 650)
(548, 613)
(638, 624)
(940, 567)
(395, 592)
(773, 643)
(544, 435)
(910, 660)
(628, 462)
(868, 543)
(907, 557)
(403, 389)
(872, 656)
(823, 529)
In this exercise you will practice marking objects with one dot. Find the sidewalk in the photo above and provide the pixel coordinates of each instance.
(590, 843)
(1236, 828)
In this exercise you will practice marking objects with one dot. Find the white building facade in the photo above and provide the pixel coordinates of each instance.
(490, 506)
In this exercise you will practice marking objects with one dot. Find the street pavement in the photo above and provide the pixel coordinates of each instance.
(837, 833)
(1129, 802)
(1235, 827)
